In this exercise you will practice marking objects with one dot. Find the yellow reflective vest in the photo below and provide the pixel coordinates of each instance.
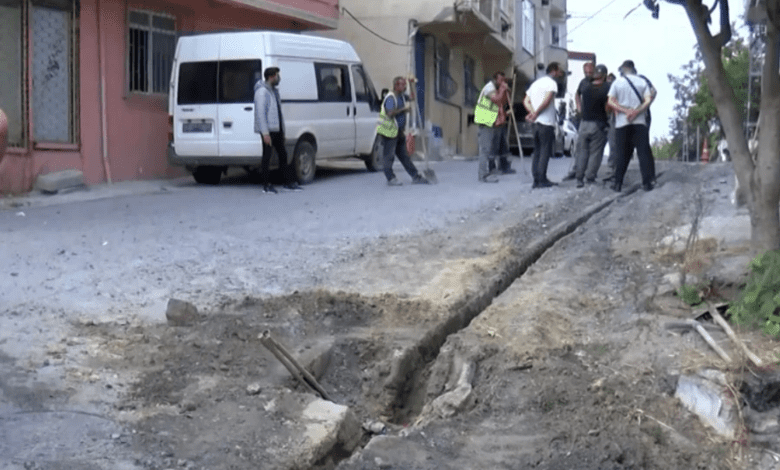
(486, 111)
(387, 127)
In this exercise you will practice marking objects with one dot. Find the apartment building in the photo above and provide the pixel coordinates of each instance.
(453, 49)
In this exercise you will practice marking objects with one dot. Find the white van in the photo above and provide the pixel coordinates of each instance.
(329, 104)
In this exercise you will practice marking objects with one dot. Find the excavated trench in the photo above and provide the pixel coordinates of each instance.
(375, 366)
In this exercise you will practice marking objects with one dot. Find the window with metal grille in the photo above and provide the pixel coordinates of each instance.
(13, 89)
(445, 87)
(151, 45)
(470, 91)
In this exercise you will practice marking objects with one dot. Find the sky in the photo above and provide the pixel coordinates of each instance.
(657, 47)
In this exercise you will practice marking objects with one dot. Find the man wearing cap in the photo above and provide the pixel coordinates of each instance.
(630, 97)
(592, 135)
(540, 103)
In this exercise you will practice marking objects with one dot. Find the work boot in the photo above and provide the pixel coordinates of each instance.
(268, 189)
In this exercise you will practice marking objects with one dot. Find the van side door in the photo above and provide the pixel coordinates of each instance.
(195, 110)
(336, 123)
(236, 126)
(366, 110)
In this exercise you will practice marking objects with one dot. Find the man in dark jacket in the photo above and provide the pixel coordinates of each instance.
(592, 135)
(270, 124)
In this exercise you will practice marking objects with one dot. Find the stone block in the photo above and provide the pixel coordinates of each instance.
(181, 313)
(59, 180)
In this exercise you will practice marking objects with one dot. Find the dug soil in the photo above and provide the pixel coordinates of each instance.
(558, 361)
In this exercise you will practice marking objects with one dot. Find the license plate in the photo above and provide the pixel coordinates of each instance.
(196, 127)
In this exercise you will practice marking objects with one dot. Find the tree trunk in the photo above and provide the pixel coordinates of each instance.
(759, 179)
(765, 184)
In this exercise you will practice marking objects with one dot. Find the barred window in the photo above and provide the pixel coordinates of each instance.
(445, 87)
(152, 43)
(471, 92)
(53, 25)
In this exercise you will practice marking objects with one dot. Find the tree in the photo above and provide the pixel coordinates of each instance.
(695, 107)
(760, 178)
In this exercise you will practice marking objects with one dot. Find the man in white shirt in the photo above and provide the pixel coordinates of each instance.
(630, 97)
(540, 103)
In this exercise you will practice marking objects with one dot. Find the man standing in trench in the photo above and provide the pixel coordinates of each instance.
(270, 124)
(539, 101)
(392, 120)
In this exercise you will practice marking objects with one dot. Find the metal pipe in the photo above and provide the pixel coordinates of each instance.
(103, 110)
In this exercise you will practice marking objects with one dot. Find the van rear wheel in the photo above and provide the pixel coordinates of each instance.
(303, 159)
(374, 159)
(207, 174)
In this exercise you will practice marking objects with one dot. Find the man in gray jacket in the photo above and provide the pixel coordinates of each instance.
(270, 124)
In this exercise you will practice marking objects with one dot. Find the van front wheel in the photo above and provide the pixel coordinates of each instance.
(303, 159)
(207, 174)
(374, 159)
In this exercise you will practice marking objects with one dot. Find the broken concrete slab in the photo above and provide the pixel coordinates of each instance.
(57, 181)
(328, 426)
(705, 398)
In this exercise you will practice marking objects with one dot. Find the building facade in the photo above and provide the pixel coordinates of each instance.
(453, 50)
(85, 82)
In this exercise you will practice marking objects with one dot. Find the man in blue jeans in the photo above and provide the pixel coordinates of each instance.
(540, 103)
(392, 120)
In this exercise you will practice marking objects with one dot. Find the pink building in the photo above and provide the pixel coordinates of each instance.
(84, 83)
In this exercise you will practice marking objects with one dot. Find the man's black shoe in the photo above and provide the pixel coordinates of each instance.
(569, 177)
(647, 187)
(293, 187)
(591, 180)
(508, 171)
(615, 187)
(580, 184)
(269, 189)
(543, 184)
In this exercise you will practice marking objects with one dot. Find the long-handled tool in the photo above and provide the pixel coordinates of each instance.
(514, 122)
(416, 123)
(428, 172)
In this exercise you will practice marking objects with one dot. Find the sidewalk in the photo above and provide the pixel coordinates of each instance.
(36, 198)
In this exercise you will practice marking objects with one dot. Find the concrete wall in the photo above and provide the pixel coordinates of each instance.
(137, 124)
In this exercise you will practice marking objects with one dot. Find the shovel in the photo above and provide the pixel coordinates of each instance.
(428, 172)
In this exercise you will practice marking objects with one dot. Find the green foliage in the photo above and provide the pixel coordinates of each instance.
(665, 149)
(689, 294)
(759, 303)
(736, 62)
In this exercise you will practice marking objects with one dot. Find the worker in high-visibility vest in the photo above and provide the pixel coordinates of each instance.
(392, 121)
(489, 117)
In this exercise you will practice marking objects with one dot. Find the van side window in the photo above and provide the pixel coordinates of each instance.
(364, 89)
(197, 83)
(237, 80)
(333, 82)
